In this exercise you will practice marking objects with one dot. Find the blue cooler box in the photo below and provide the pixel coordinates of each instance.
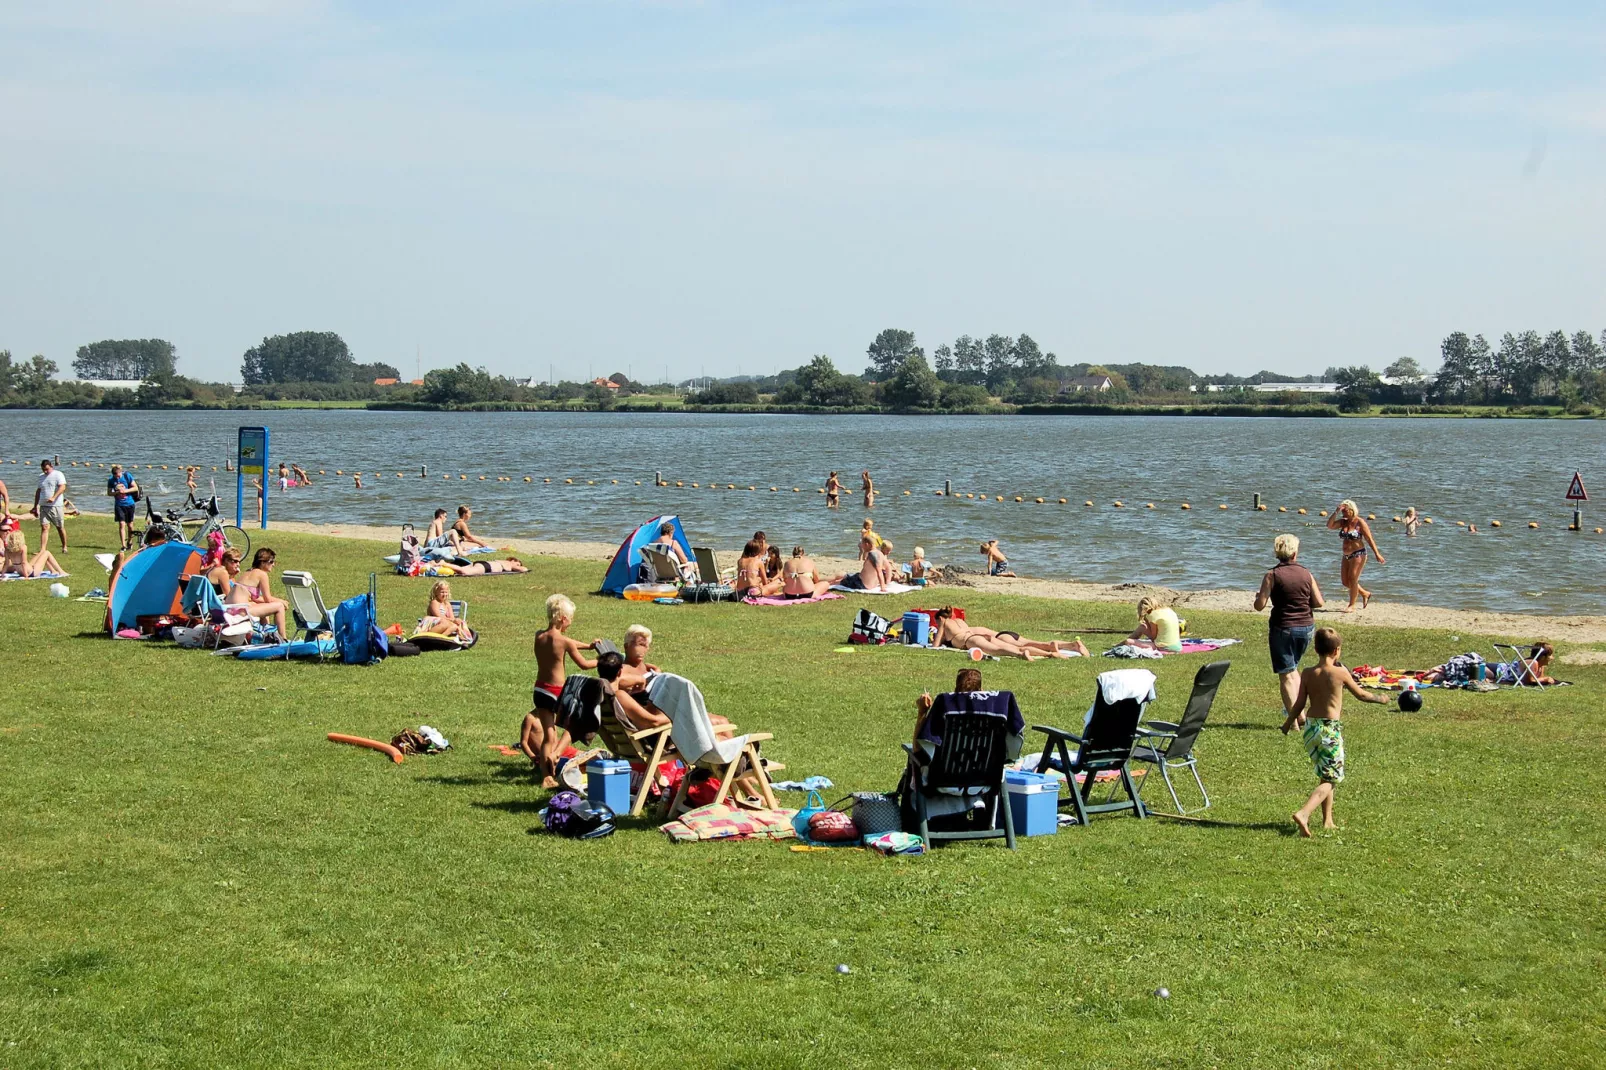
(1033, 802)
(608, 784)
(916, 629)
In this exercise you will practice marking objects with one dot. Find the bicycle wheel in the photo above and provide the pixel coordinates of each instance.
(236, 539)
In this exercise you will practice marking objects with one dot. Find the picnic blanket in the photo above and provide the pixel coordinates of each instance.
(444, 553)
(1380, 678)
(728, 823)
(1189, 646)
(767, 600)
(891, 588)
(41, 576)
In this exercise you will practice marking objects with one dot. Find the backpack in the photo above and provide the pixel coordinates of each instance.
(410, 559)
(580, 707)
(567, 814)
(869, 628)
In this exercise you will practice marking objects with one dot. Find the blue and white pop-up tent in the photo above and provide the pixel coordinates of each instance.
(627, 560)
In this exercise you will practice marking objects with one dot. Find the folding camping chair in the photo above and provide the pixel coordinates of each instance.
(1178, 739)
(306, 604)
(692, 732)
(1525, 668)
(201, 600)
(1108, 738)
(665, 568)
(970, 756)
(707, 567)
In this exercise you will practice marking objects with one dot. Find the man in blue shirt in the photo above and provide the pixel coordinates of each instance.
(122, 488)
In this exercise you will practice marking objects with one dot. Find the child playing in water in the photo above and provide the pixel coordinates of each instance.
(1317, 711)
(539, 737)
(997, 564)
(356, 480)
(1411, 521)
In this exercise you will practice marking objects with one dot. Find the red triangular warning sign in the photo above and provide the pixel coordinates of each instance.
(1576, 492)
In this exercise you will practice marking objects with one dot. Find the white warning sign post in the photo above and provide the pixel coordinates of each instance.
(1576, 493)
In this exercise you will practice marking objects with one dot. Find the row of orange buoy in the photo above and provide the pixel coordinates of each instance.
(774, 489)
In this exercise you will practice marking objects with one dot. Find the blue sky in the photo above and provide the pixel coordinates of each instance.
(721, 188)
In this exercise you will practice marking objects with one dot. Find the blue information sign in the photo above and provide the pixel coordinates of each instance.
(253, 462)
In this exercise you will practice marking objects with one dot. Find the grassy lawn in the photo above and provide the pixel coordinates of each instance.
(193, 876)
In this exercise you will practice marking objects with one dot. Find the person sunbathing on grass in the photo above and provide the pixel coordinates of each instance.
(440, 618)
(955, 632)
(486, 568)
(251, 590)
(17, 559)
(801, 578)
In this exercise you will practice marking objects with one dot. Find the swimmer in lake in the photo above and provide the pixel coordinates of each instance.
(1411, 521)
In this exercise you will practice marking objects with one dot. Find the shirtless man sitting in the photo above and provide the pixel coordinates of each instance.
(954, 632)
(874, 575)
(440, 535)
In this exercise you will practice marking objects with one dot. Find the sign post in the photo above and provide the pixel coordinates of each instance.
(1577, 493)
(253, 454)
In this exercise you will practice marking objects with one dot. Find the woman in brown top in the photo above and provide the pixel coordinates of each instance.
(1293, 595)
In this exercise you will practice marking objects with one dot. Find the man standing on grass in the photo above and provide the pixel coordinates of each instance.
(48, 502)
(122, 489)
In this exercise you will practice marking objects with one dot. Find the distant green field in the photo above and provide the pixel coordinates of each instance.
(193, 877)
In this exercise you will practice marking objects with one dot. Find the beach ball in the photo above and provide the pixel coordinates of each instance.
(1410, 700)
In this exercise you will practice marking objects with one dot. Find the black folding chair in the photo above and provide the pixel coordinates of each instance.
(1105, 745)
(971, 755)
(1178, 739)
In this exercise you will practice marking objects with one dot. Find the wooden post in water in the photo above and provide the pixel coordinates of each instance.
(947, 488)
(423, 471)
(1257, 501)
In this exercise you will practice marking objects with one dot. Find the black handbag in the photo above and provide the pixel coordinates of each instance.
(875, 813)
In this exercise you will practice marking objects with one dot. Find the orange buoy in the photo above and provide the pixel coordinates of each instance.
(1039, 501)
(1302, 512)
(1185, 505)
(1000, 497)
(1062, 501)
(1532, 524)
(1018, 497)
(1088, 502)
(1150, 505)
(1223, 505)
(1494, 523)
(1118, 505)
(1260, 508)
(1282, 508)
(527, 479)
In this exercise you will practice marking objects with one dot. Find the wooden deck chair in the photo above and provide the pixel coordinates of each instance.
(1167, 746)
(1106, 743)
(306, 603)
(649, 746)
(971, 755)
(692, 732)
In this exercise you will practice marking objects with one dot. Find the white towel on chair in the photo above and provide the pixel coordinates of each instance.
(689, 724)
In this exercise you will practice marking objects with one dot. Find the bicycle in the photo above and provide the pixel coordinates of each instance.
(207, 514)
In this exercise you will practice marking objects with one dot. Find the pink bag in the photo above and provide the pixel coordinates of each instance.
(832, 826)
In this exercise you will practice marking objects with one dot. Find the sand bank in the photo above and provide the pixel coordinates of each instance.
(1521, 626)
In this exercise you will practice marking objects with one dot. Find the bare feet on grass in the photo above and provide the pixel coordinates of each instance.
(1304, 825)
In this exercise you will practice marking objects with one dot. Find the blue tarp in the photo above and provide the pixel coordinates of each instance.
(149, 584)
(627, 560)
(306, 648)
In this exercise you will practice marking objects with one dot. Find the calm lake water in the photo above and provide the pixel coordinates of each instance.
(1475, 470)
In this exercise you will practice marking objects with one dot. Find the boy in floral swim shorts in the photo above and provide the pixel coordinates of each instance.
(1316, 712)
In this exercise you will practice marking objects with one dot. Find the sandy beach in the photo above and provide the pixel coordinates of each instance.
(1518, 626)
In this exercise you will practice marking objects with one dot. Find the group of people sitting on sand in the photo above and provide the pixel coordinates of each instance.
(761, 570)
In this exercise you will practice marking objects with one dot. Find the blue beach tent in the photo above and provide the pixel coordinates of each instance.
(150, 584)
(627, 561)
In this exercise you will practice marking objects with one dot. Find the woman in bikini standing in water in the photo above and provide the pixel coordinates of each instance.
(1355, 535)
(869, 489)
(833, 492)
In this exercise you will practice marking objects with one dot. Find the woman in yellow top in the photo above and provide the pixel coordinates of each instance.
(1158, 627)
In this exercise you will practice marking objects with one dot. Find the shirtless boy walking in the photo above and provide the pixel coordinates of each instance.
(540, 738)
(1317, 712)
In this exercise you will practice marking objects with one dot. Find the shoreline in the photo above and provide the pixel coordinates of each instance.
(1528, 627)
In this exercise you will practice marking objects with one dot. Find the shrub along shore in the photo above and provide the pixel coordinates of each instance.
(194, 876)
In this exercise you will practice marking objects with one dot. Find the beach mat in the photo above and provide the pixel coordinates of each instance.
(767, 600)
(895, 588)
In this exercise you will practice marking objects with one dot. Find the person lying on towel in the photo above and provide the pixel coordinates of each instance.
(961, 635)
